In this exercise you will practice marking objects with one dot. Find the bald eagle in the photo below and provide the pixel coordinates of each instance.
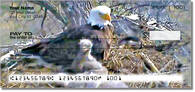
(64, 48)
(84, 61)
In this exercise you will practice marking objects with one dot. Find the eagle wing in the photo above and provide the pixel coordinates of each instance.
(63, 49)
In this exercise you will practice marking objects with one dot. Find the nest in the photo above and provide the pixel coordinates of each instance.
(125, 60)
(128, 60)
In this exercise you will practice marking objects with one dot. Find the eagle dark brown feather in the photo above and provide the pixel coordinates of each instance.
(63, 49)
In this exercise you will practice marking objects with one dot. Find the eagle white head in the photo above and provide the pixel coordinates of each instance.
(100, 16)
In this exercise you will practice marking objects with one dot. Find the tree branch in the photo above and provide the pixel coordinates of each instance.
(52, 9)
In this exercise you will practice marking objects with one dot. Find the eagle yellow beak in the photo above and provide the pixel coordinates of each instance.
(106, 17)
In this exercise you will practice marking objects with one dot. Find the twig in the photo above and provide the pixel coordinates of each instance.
(45, 15)
(163, 69)
(149, 63)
